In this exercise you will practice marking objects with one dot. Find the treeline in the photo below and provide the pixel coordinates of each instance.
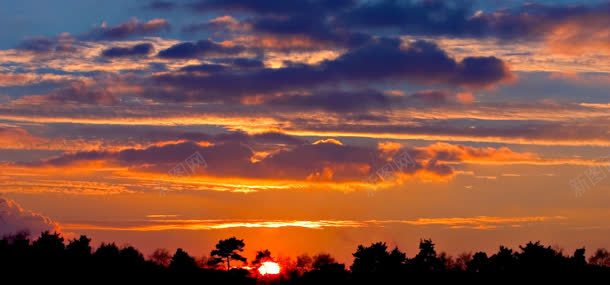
(76, 261)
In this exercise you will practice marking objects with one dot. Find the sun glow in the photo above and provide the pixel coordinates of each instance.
(269, 268)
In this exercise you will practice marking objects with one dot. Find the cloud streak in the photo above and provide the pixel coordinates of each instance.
(479, 223)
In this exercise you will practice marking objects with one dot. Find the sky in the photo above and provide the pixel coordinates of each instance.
(307, 126)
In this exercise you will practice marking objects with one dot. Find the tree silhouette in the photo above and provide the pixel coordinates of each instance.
(229, 249)
(374, 264)
(322, 260)
(376, 259)
(601, 257)
(49, 245)
(325, 270)
(130, 256)
(504, 260)
(479, 262)
(304, 262)
(261, 256)
(106, 257)
(462, 260)
(536, 257)
(161, 257)
(579, 259)
(426, 259)
(79, 248)
(446, 261)
(183, 262)
(107, 251)
(16, 249)
(396, 260)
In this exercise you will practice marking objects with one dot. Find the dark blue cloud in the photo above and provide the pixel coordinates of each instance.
(306, 18)
(226, 64)
(136, 50)
(382, 60)
(315, 27)
(335, 101)
(335, 21)
(358, 101)
(418, 17)
(61, 43)
(247, 63)
(80, 92)
(460, 18)
(204, 68)
(131, 28)
(197, 49)
(231, 158)
(39, 44)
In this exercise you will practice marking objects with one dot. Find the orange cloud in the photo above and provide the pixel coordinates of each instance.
(465, 97)
(453, 152)
(18, 138)
(482, 222)
(165, 225)
(388, 149)
(332, 141)
(579, 35)
(478, 222)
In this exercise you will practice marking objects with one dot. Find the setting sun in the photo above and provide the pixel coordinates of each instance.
(269, 268)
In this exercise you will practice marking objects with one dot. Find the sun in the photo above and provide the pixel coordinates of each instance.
(269, 268)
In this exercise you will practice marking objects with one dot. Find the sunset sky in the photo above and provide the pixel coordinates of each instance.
(307, 126)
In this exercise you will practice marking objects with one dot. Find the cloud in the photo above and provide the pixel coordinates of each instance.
(166, 224)
(60, 44)
(198, 49)
(452, 152)
(16, 79)
(247, 63)
(201, 225)
(277, 156)
(589, 33)
(497, 122)
(221, 23)
(307, 27)
(231, 159)
(18, 138)
(380, 61)
(207, 68)
(29, 79)
(536, 21)
(344, 22)
(136, 50)
(419, 17)
(460, 19)
(131, 28)
(293, 21)
(82, 92)
(361, 101)
(334, 101)
(482, 222)
(13, 218)
(533, 132)
(225, 65)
